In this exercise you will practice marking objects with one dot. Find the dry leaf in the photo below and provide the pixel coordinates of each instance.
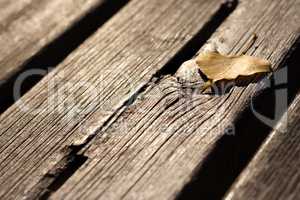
(218, 67)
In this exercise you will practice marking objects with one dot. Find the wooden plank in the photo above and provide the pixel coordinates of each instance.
(155, 146)
(274, 171)
(27, 26)
(87, 89)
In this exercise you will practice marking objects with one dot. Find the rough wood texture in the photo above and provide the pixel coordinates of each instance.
(274, 171)
(83, 92)
(26, 26)
(154, 147)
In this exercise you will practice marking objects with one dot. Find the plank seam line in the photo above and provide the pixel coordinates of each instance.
(58, 49)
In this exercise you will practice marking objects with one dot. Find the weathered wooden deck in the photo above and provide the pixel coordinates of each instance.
(109, 108)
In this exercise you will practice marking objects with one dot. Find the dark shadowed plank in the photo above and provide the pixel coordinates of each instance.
(274, 171)
(154, 147)
(27, 26)
(83, 92)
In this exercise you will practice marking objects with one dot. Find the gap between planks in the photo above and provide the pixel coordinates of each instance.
(65, 25)
(274, 171)
(232, 154)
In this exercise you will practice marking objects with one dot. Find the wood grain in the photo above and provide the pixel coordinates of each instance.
(27, 26)
(274, 171)
(83, 92)
(155, 146)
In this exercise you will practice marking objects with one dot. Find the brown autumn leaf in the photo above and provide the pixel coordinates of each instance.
(218, 67)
